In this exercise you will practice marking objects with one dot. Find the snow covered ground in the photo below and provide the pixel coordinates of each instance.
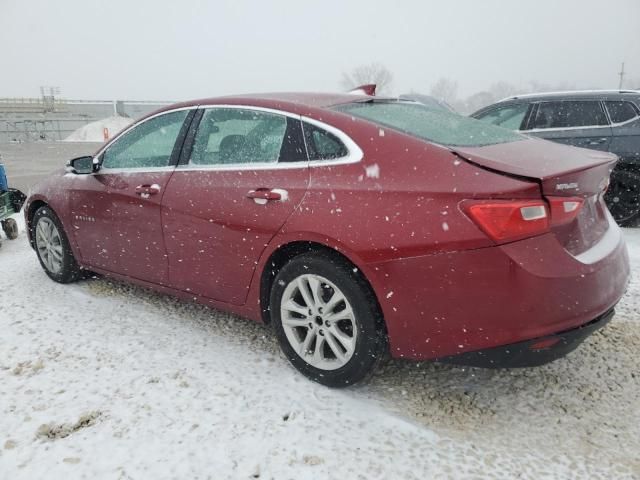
(105, 380)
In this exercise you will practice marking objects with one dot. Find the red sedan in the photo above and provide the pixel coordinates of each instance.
(355, 225)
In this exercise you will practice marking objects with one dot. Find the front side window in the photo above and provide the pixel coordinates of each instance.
(510, 116)
(568, 114)
(621, 111)
(147, 145)
(322, 145)
(438, 126)
(238, 136)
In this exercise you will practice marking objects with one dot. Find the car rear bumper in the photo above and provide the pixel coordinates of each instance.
(449, 304)
(531, 353)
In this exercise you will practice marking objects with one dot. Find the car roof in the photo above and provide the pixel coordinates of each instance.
(279, 100)
(574, 94)
(297, 103)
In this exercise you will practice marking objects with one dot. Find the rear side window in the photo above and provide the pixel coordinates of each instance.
(322, 145)
(236, 136)
(510, 116)
(438, 126)
(621, 111)
(567, 114)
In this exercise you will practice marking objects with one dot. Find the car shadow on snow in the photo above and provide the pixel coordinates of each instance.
(589, 397)
(600, 376)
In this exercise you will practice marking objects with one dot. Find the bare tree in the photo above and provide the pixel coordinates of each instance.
(500, 90)
(371, 73)
(445, 89)
(476, 102)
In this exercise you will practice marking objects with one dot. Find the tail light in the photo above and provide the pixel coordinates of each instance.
(509, 220)
(564, 209)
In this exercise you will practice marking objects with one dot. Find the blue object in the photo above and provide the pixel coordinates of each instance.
(4, 186)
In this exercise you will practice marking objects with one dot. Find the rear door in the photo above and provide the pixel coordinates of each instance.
(243, 173)
(625, 117)
(116, 211)
(580, 123)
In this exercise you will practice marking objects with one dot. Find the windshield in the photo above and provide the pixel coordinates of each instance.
(438, 126)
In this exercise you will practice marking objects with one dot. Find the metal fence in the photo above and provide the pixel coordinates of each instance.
(48, 118)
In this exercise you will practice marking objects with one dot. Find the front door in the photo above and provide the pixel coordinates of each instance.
(245, 174)
(116, 211)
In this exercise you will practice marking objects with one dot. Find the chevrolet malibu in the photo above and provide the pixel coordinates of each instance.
(356, 226)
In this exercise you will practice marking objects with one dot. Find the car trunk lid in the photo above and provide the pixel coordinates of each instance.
(561, 170)
(565, 174)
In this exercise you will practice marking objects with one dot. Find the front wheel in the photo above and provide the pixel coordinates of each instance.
(327, 320)
(52, 247)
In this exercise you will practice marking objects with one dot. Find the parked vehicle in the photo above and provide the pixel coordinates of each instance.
(599, 120)
(427, 100)
(355, 226)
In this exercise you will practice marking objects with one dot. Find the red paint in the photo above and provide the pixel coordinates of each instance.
(215, 233)
(544, 343)
(443, 284)
(367, 89)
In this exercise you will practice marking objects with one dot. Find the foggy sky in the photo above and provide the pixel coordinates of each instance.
(142, 49)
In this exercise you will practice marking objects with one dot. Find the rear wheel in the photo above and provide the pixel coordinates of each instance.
(623, 198)
(10, 228)
(52, 247)
(327, 321)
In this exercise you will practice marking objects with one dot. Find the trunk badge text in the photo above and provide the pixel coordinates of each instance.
(567, 186)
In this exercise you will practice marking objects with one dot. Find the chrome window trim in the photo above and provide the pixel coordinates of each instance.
(570, 92)
(620, 124)
(120, 171)
(560, 129)
(354, 155)
(242, 166)
(249, 107)
(134, 125)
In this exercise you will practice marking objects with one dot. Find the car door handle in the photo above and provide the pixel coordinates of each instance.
(263, 195)
(146, 190)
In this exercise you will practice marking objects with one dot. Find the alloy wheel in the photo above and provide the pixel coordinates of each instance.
(49, 245)
(319, 322)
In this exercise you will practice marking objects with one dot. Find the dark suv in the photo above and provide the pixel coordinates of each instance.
(600, 120)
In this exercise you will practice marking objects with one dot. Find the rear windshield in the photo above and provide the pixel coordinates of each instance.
(435, 126)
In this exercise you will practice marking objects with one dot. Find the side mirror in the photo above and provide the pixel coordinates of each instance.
(83, 165)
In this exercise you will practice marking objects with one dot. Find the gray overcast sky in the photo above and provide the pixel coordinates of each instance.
(142, 49)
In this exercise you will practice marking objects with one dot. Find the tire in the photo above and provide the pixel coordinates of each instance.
(52, 247)
(321, 327)
(623, 198)
(10, 228)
